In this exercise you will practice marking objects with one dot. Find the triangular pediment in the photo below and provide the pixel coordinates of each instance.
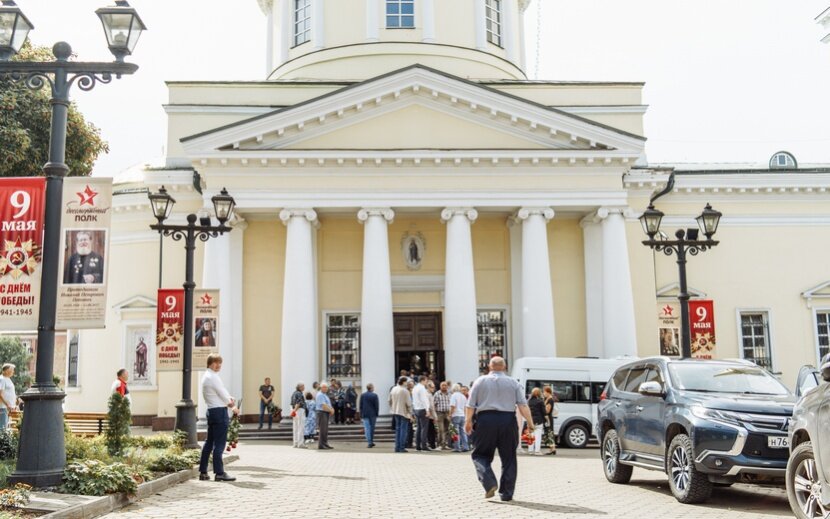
(821, 291)
(414, 108)
(137, 303)
(672, 290)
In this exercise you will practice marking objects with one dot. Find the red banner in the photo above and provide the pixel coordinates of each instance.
(22, 204)
(702, 325)
(170, 329)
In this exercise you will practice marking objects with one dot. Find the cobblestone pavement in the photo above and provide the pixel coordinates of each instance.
(275, 480)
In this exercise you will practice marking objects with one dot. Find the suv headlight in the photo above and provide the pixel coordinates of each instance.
(716, 415)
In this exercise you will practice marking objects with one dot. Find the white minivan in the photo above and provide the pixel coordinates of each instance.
(577, 384)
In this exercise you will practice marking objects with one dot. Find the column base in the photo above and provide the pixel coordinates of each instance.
(42, 454)
(186, 421)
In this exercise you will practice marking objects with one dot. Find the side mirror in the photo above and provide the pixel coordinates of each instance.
(651, 389)
(825, 368)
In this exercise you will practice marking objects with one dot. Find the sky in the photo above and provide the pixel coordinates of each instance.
(726, 80)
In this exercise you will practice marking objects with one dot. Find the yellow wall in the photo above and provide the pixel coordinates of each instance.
(567, 272)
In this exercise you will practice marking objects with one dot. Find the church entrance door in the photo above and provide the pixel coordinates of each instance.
(418, 343)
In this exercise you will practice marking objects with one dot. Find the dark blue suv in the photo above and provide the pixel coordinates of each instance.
(702, 422)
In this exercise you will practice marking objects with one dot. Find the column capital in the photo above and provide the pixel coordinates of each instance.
(387, 213)
(309, 214)
(603, 212)
(526, 212)
(448, 213)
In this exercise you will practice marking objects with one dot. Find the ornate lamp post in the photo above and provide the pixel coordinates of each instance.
(42, 457)
(686, 242)
(162, 205)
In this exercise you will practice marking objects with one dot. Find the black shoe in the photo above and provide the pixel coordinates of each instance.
(371, 444)
(224, 477)
(507, 498)
(259, 428)
(203, 476)
(490, 492)
(404, 450)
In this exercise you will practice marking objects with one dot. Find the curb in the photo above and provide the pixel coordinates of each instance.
(106, 504)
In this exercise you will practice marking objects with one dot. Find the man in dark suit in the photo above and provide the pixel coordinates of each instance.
(369, 407)
(85, 266)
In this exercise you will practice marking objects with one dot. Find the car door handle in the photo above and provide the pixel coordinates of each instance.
(617, 404)
(639, 408)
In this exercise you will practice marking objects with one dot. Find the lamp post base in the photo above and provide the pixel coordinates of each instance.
(186, 421)
(42, 455)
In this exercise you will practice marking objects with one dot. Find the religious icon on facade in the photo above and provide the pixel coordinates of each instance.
(139, 354)
(413, 247)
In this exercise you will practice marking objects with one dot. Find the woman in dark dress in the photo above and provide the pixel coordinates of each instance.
(550, 409)
(351, 403)
(537, 412)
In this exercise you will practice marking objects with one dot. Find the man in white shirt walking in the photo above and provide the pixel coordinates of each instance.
(8, 397)
(421, 404)
(218, 401)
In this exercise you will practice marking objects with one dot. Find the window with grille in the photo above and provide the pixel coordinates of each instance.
(494, 21)
(755, 338)
(343, 345)
(302, 21)
(400, 14)
(492, 337)
(823, 333)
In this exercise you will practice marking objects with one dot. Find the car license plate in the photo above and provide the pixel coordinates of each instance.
(778, 442)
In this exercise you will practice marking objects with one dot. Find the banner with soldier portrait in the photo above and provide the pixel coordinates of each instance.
(22, 205)
(205, 325)
(84, 253)
(668, 329)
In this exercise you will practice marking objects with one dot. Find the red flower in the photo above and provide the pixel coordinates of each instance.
(455, 438)
(229, 448)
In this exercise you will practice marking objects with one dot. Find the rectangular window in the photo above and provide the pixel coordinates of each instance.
(343, 345)
(494, 21)
(400, 14)
(755, 338)
(492, 337)
(823, 334)
(73, 337)
(302, 21)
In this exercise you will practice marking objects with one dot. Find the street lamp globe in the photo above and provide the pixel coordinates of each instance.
(122, 26)
(14, 28)
(708, 221)
(223, 205)
(162, 204)
(650, 221)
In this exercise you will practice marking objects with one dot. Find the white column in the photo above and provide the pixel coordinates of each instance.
(460, 317)
(592, 244)
(428, 22)
(372, 20)
(377, 335)
(286, 29)
(298, 345)
(619, 330)
(235, 313)
(269, 39)
(508, 33)
(318, 23)
(522, 34)
(481, 25)
(538, 333)
(516, 350)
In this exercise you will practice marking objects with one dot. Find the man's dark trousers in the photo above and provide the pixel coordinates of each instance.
(401, 428)
(323, 425)
(217, 436)
(421, 441)
(262, 408)
(496, 430)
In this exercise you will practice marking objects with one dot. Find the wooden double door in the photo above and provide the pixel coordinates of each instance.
(418, 343)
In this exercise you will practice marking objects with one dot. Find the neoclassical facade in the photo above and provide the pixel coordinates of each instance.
(408, 199)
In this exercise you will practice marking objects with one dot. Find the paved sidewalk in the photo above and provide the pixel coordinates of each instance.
(275, 480)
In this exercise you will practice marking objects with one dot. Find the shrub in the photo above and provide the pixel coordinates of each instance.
(78, 448)
(96, 478)
(16, 497)
(179, 439)
(118, 431)
(159, 441)
(174, 462)
(8, 444)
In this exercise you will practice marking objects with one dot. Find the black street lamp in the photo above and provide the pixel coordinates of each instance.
(687, 242)
(162, 205)
(42, 453)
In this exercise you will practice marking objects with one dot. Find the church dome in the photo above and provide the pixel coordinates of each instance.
(359, 39)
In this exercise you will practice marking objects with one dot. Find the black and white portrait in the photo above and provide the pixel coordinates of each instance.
(413, 248)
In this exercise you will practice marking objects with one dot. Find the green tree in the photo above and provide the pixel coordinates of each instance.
(119, 418)
(25, 122)
(12, 351)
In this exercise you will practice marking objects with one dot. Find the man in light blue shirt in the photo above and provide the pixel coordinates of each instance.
(324, 410)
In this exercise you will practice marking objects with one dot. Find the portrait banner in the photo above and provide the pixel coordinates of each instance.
(702, 325)
(205, 326)
(170, 329)
(85, 229)
(668, 329)
(22, 205)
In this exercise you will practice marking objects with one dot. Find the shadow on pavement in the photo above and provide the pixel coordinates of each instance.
(744, 498)
(267, 473)
(553, 509)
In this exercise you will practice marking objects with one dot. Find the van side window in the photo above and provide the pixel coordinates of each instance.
(596, 391)
(583, 392)
(619, 378)
(636, 376)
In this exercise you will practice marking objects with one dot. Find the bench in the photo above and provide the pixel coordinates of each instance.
(80, 424)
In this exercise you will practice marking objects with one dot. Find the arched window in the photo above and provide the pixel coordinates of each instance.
(783, 160)
(400, 14)
(302, 21)
(494, 21)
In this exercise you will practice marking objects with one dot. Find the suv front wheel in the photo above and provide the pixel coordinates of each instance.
(615, 472)
(804, 484)
(686, 483)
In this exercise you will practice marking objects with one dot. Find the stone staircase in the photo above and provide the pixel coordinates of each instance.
(341, 433)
